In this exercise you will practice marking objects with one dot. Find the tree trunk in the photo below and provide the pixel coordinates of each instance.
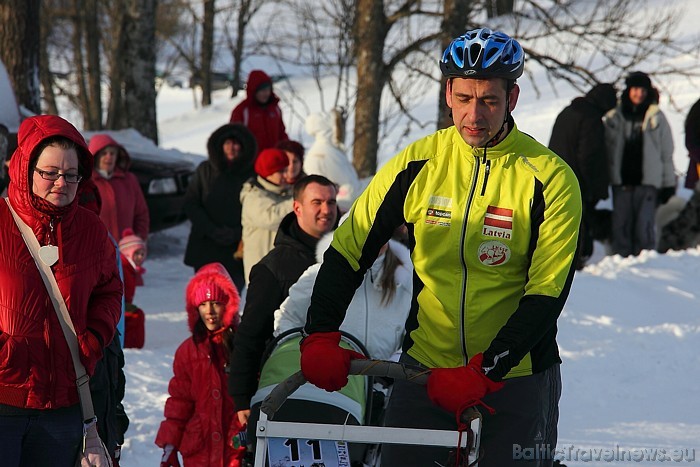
(495, 8)
(94, 70)
(207, 50)
(243, 12)
(140, 70)
(19, 49)
(116, 58)
(83, 98)
(371, 76)
(454, 24)
(45, 75)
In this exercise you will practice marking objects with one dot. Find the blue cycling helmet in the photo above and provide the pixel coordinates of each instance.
(482, 54)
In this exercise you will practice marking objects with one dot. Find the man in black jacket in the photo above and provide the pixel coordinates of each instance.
(315, 213)
(578, 137)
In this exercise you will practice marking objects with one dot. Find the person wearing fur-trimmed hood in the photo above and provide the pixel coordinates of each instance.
(212, 200)
(200, 420)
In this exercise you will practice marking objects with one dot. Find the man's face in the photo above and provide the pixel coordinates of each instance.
(479, 107)
(316, 210)
(638, 94)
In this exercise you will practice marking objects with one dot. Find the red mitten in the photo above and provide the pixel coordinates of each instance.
(90, 351)
(169, 458)
(324, 363)
(455, 389)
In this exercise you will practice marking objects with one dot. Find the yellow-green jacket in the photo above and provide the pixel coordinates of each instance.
(493, 237)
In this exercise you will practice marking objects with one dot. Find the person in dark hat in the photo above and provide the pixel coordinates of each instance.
(578, 137)
(640, 148)
(260, 112)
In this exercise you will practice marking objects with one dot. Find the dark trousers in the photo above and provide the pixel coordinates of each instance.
(633, 219)
(51, 437)
(523, 428)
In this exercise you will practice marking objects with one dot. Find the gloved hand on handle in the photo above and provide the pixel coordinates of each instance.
(324, 363)
(455, 389)
(169, 458)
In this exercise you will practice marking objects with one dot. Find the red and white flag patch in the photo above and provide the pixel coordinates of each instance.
(498, 222)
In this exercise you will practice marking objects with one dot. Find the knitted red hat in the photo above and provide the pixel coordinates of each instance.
(130, 242)
(212, 282)
(269, 161)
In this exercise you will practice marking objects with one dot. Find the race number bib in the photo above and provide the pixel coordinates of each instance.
(289, 452)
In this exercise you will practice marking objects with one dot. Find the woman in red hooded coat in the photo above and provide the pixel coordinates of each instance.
(200, 419)
(123, 203)
(38, 392)
(260, 111)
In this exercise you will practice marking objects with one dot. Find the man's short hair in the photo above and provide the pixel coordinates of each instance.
(303, 182)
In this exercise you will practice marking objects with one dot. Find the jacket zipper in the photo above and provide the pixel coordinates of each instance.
(487, 171)
(463, 238)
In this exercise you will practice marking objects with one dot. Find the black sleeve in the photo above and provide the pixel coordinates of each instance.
(263, 298)
(193, 204)
(334, 288)
(535, 318)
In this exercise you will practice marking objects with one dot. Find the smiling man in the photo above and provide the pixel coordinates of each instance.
(314, 213)
(493, 219)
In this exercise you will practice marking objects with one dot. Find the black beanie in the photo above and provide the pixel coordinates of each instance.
(638, 79)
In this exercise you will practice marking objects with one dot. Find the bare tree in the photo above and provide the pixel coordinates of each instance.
(19, 49)
(373, 25)
(206, 51)
(140, 67)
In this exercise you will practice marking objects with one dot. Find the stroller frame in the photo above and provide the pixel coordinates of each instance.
(267, 428)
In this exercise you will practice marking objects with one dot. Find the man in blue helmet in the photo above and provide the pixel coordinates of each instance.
(493, 219)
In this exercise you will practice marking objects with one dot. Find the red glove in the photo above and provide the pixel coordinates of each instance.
(324, 363)
(169, 458)
(455, 389)
(90, 351)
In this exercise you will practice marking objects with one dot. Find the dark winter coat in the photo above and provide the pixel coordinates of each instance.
(270, 280)
(107, 387)
(578, 137)
(263, 120)
(692, 143)
(36, 368)
(213, 202)
(200, 418)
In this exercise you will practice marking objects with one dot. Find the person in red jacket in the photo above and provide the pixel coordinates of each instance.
(38, 392)
(260, 112)
(123, 203)
(199, 405)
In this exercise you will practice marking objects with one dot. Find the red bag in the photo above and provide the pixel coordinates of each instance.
(134, 328)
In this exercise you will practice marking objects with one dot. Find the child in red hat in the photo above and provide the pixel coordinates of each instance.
(132, 250)
(200, 418)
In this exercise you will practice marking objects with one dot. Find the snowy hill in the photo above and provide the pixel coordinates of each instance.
(628, 335)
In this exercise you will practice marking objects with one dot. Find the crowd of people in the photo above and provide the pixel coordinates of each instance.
(458, 258)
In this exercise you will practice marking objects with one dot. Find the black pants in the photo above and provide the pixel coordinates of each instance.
(522, 429)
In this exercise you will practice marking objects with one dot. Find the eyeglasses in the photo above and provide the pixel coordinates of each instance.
(54, 176)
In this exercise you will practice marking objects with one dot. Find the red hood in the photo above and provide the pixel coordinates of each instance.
(101, 141)
(31, 133)
(217, 274)
(255, 79)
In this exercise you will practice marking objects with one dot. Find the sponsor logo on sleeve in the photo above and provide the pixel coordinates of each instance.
(498, 223)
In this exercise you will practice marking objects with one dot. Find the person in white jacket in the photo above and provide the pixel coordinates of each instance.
(327, 158)
(377, 313)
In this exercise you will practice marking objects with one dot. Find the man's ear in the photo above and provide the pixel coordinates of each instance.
(448, 92)
(296, 207)
(513, 98)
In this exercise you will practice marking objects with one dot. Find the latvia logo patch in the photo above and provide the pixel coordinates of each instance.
(493, 253)
(498, 222)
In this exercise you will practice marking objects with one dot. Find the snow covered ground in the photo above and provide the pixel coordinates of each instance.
(628, 335)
